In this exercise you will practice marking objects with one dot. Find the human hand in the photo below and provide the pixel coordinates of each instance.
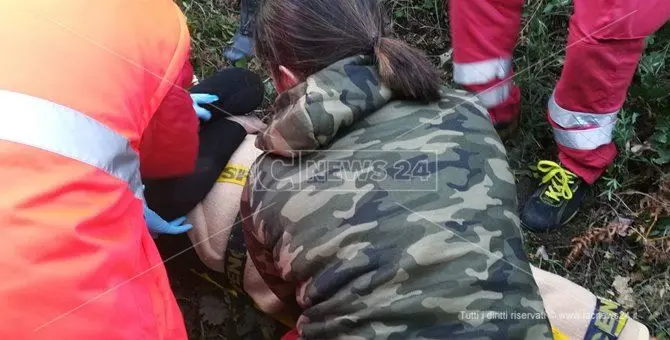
(251, 124)
(203, 98)
(157, 225)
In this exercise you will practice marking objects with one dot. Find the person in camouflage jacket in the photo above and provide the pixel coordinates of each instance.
(382, 209)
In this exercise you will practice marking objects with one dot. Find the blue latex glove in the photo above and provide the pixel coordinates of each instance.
(203, 98)
(157, 225)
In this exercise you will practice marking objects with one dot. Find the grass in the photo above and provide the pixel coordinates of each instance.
(642, 134)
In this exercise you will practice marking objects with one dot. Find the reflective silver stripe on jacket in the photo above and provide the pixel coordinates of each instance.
(592, 130)
(482, 72)
(495, 95)
(55, 128)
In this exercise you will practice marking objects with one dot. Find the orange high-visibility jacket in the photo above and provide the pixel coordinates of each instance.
(80, 81)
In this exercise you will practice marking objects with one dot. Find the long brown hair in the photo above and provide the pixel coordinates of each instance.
(308, 35)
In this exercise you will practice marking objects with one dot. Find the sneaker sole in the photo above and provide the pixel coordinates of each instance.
(527, 227)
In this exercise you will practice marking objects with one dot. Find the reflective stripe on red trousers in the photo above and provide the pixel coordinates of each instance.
(605, 42)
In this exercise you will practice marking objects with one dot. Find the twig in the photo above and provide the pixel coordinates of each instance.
(635, 192)
(624, 203)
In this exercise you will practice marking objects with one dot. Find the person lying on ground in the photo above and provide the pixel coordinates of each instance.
(385, 207)
(234, 93)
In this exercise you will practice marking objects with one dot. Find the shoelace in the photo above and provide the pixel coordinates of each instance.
(559, 178)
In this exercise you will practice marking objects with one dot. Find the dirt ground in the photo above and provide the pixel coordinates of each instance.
(210, 311)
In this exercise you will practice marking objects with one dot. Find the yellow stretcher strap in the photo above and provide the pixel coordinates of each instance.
(558, 335)
(235, 174)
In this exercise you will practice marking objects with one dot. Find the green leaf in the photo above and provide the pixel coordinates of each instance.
(651, 64)
(645, 268)
(554, 5)
(662, 228)
(663, 158)
(660, 138)
(549, 8)
(428, 4)
(242, 63)
(650, 41)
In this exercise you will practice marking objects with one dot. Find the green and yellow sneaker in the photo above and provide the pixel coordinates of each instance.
(556, 201)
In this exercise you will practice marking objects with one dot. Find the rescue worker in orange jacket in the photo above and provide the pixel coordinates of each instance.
(92, 99)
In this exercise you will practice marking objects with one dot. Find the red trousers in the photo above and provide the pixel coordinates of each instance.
(606, 40)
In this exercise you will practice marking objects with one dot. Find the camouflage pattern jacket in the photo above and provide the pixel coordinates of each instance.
(386, 219)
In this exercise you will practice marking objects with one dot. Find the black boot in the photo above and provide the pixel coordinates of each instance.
(243, 43)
